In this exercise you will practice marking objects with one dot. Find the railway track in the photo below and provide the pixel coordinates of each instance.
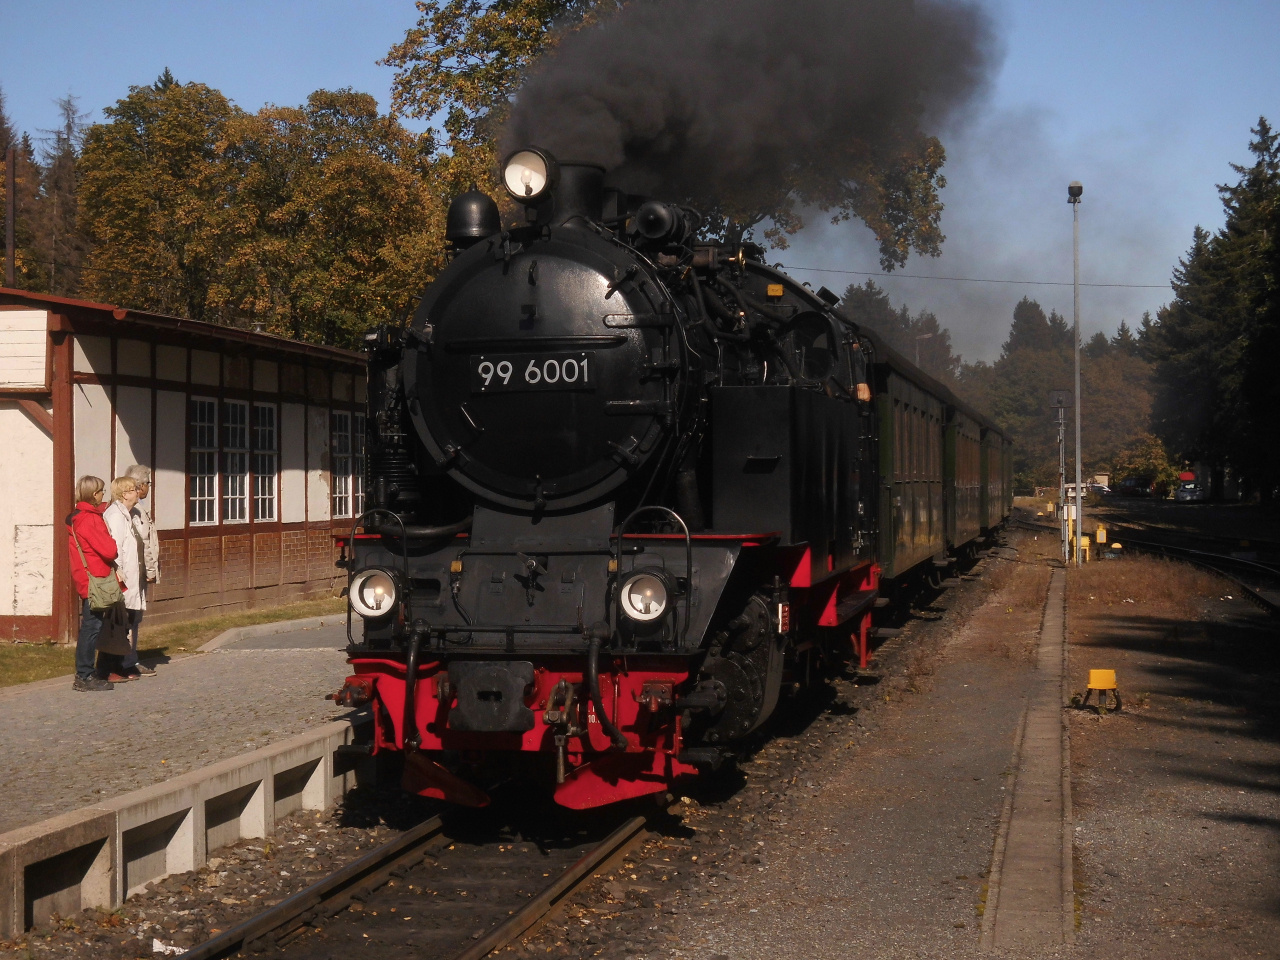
(457, 886)
(1260, 582)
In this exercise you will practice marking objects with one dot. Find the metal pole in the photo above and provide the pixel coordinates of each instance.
(1062, 482)
(1075, 257)
(10, 212)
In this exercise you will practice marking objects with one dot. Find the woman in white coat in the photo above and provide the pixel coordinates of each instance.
(130, 562)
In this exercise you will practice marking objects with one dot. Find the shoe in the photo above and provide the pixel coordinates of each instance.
(92, 684)
(142, 670)
(119, 677)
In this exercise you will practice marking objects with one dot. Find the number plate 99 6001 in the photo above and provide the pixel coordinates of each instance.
(505, 372)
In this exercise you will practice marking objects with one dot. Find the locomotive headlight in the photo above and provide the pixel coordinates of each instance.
(643, 597)
(527, 174)
(373, 593)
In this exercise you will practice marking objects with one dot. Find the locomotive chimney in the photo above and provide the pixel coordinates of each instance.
(578, 196)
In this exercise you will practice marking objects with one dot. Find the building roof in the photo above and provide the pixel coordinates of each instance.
(111, 315)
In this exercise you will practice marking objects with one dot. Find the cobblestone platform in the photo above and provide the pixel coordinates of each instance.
(61, 750)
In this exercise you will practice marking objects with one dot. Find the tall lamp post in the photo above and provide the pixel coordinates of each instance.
(1074, 190)
(1060, 400)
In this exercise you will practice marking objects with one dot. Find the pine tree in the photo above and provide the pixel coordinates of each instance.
(1030, 329)
(869, 307)
(1124, 341)
(1097, 347)
(1215, 343)
(60, 243)
(27, 268)
(1252, 254)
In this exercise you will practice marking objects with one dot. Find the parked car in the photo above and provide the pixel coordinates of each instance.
(1190, 491)
(1137, 487)
(1099, 488)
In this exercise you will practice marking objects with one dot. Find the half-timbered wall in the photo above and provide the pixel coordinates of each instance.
(241, 451)
(243, 433)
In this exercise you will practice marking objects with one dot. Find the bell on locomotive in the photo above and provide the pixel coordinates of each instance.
(586, 519)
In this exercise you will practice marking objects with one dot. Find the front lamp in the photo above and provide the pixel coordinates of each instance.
(643, 597)
(529, 174)
(373, 593)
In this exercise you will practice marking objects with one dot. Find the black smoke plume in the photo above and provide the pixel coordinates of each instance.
(725, 99)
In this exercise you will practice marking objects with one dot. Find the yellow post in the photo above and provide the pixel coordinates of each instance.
(1102, 535)
(1102, 680)
(1084, 549)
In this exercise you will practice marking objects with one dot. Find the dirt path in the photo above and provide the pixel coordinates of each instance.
(1177, 814)
(869, 833)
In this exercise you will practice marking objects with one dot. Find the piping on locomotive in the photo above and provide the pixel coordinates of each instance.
(624, 482)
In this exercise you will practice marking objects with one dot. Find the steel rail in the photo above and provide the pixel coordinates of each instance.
(614, 846)
(366, 873)
(371, 871)
(1213, 562)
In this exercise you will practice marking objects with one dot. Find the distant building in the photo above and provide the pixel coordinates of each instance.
(255, 443)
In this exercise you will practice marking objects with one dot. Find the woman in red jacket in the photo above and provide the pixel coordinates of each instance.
(87, 532)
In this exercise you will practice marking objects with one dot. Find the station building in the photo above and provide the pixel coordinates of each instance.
(255, 444)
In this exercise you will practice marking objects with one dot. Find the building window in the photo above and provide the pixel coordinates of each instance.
(235, 461)
(357, 462)
(203, 472)
(340, 462)
(264, 461)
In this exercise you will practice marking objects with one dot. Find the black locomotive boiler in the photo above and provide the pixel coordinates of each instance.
(623, 482)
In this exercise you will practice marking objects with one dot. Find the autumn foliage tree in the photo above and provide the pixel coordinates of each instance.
(458, 67)
(314, 221)
(154, 199)
(336, 223)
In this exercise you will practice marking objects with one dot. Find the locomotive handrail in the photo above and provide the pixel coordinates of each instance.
(688, 564)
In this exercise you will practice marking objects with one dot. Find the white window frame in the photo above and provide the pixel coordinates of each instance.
(202, 470)
(265, 433)
(340, 463)
(235, 461)
(357, 462)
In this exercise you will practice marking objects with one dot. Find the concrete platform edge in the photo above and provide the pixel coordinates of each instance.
(1022, 922)
(236, 634)
(98, 855)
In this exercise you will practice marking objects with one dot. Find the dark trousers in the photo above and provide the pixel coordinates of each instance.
(87, 641)
(131, 658)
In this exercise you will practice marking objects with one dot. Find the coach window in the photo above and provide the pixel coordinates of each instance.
(235, 461)
(202, 472)
(264, 461)
(899, 442)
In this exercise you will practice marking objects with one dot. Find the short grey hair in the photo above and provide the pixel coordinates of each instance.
(139, 473)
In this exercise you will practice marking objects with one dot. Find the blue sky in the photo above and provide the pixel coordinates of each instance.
(1146, 103)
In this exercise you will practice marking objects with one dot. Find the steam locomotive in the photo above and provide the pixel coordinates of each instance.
(624, 483)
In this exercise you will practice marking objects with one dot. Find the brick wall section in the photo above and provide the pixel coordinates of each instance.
(237, 574)
(295, 555)
(266, 559)
(173, 571)
(320, 554)
(204, 561)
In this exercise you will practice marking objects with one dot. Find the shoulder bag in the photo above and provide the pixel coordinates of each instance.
(104, 592)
